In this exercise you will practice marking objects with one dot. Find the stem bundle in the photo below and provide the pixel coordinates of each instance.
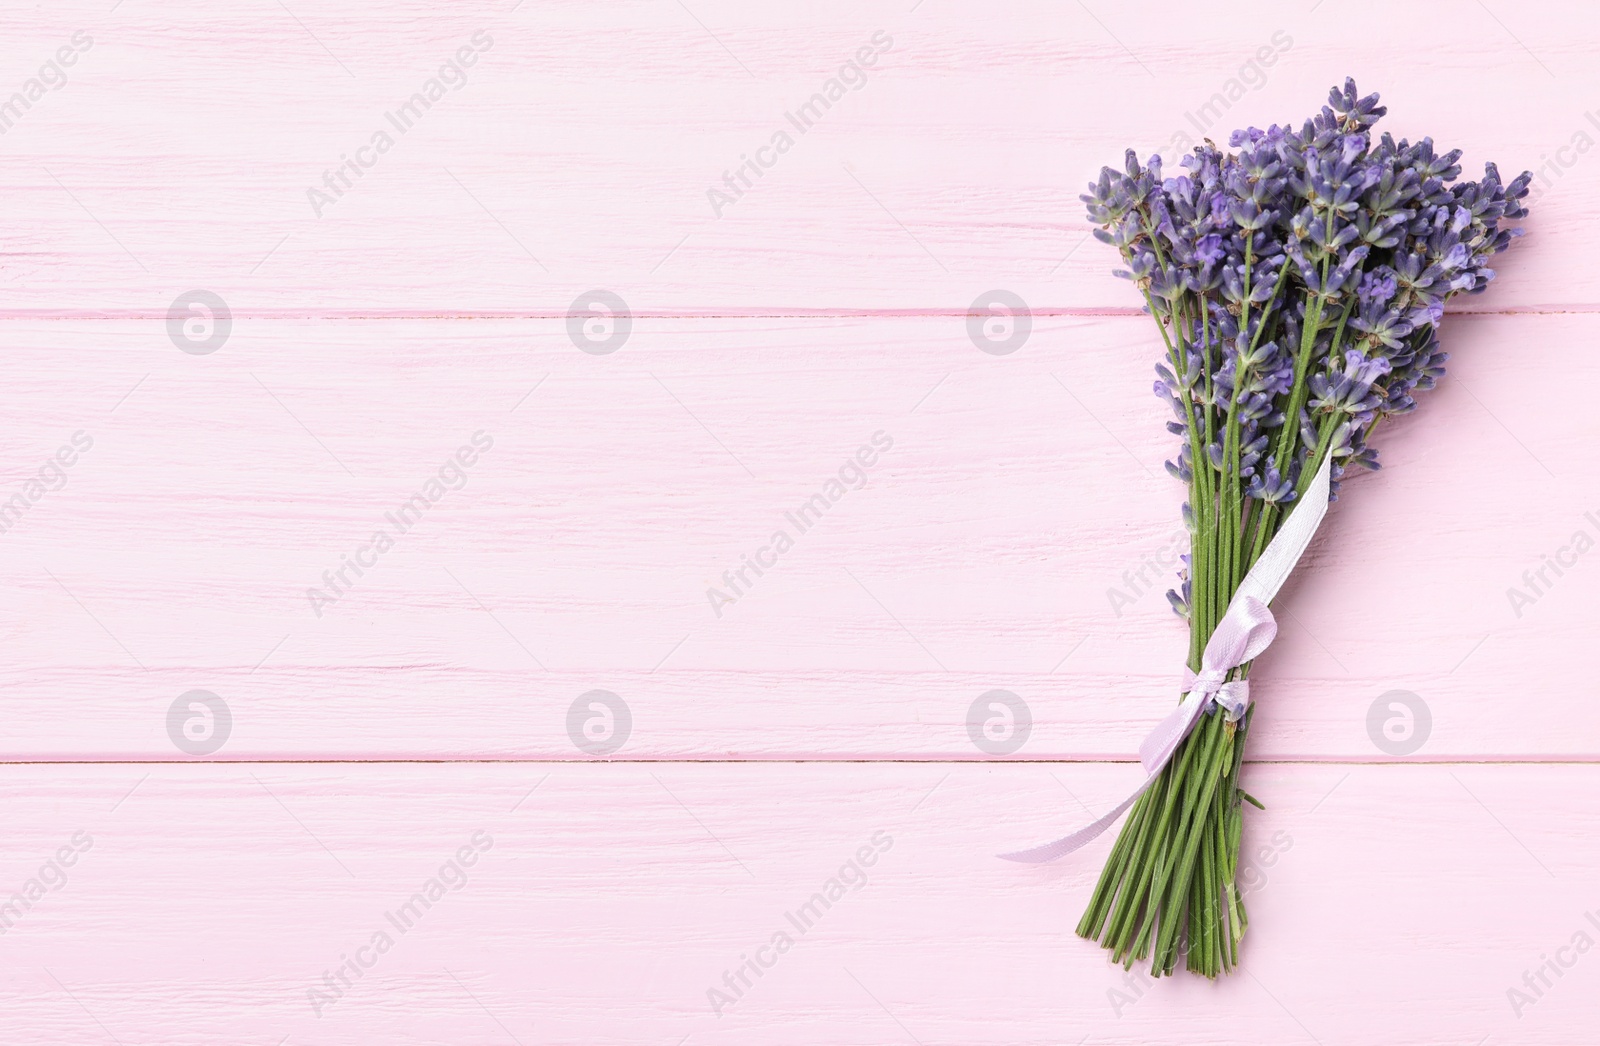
(1298, 285)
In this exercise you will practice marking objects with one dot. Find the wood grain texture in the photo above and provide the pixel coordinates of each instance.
(163, 514)
(580, 149)
(611, 899)
(998, 543)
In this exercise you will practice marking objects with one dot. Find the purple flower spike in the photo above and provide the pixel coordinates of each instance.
(1302, 277)
(1300, 282)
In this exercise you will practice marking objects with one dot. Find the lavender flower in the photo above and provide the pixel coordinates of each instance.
(1299, 282)
(1306, 273)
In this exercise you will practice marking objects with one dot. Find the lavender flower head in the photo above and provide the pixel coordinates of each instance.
(1299, 281)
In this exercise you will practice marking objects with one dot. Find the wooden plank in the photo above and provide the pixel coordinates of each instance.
(1019, 493)
(603, 906)
(177, 505)
(584, 143)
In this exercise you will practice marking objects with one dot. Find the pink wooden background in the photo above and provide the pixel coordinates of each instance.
(424, 718)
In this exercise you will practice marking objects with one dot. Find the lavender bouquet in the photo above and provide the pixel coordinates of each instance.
(1298, 284)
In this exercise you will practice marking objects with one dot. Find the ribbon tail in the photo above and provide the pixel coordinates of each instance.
(1154, 753)
(1163, 740)
(1065, 845)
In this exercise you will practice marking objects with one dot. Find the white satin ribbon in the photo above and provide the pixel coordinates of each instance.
(1246, 629)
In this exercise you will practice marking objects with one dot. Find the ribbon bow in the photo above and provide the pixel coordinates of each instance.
(1246, 629)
